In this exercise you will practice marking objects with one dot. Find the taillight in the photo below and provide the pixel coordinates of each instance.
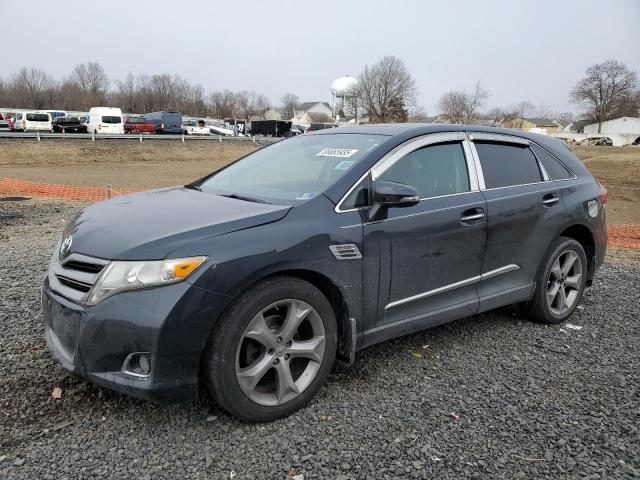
(162, 125)
(603, 195)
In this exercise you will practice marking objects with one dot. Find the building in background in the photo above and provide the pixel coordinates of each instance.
(622, 125)
(534, 125)
(312, 107)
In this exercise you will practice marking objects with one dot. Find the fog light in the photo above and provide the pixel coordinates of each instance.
(137, 364)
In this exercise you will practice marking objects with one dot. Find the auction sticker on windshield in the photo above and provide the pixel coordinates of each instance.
(337, 152)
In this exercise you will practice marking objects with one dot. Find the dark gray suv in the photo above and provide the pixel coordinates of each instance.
(252, 281)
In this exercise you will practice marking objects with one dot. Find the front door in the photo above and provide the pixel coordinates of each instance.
(423, 263)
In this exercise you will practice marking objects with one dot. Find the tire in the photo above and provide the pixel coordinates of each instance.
(233, 353)
(553, 276)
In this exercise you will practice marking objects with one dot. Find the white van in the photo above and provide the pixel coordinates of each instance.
(105, 120)
(33, 121)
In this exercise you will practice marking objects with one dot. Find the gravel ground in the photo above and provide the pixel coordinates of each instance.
(492, 396)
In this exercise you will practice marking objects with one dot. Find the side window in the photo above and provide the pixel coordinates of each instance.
(359, 197)
(554, 168)
(507, 164)
(433, 170)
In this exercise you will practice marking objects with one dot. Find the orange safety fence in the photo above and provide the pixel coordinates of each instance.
(12, 186)
(620, 235)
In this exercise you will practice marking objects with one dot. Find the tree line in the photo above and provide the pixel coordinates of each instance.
(385, 92)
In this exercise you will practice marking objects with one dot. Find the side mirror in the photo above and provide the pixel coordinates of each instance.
(392, 194)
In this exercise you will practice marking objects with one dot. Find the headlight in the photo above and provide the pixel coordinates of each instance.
(119, 276)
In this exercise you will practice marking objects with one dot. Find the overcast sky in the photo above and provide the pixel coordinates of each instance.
(518, 50)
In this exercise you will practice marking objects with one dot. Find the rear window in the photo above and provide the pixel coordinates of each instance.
(111, 119)
(189, 123)
(37, 117)
(67, 120)
(554, 168)
(171, 117)
(507, 164)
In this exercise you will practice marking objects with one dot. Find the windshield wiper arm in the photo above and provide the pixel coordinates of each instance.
(193, 186)
(242, 197)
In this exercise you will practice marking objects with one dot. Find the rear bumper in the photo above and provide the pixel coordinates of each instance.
(171, 323)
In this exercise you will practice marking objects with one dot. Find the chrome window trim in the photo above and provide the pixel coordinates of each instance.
(452, 286)
(506, 139)
(497, 137)
(390, 158)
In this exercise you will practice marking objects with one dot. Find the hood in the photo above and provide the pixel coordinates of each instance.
(150, 225)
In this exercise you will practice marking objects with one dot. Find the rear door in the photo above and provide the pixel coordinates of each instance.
(422, 262)
(525, 212)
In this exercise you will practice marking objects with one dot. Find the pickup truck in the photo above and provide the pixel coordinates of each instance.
(138, 125)
(194, 127)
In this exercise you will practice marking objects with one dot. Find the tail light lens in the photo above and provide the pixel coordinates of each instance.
(162, 125)
(603, 195)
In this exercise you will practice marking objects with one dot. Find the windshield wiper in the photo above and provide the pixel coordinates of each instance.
(242, 197)
(192, 186)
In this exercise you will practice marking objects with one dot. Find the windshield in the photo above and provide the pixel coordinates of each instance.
(293, 170)
(37, 117)
(111, 119)
(189, 123)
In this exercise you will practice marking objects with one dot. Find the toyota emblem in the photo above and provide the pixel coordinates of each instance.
(65, 245)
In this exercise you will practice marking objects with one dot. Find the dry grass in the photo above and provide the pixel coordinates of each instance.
(618, 169)
(121, 164)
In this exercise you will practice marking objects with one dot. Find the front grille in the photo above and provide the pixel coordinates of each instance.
(83, 266)
(71, 283)
(74, 276)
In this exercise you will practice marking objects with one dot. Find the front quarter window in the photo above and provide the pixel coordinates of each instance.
(294, 170)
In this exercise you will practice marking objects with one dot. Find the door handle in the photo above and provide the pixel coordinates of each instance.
(473, 216)
(550, 200)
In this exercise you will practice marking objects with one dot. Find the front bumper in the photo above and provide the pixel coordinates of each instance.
(172, 323)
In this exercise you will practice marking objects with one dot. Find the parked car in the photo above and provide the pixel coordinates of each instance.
(138, 125)
(252, 281)
(68, 125)
(33, 121)
(166, 122)
(4, 125)
(194, 127)
(105, 120)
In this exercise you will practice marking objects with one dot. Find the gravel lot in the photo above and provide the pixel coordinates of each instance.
(489, 396)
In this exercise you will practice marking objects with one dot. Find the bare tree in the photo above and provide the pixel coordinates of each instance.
(27, 88)
(417, 114)
(515, 115)
(288, 104)
(603, 89)
(386, 89)
(92, 82)
(542, 111)
(565, 118)
(463, 107)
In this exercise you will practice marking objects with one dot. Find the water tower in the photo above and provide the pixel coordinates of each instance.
(342, 89)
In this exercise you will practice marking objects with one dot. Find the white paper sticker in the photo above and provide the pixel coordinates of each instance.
(337, 152)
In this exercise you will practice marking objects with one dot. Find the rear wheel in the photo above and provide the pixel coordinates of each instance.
(271, 353)
(560, 283)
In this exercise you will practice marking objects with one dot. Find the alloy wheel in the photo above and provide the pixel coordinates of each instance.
(564, 282)
(280, 352)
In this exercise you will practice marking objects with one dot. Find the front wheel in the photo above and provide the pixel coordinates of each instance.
(272, 351)
(560, 283)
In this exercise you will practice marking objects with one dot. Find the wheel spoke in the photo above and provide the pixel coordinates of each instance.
(556, 270)
(285, 387)
(251, 375)
(562, 300)
(260, 332)
(574, 281)
(312, 349)
(296, 313)
(569, 260)
(552, 292)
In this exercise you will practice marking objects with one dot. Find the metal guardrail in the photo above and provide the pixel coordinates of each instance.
(139, 137)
